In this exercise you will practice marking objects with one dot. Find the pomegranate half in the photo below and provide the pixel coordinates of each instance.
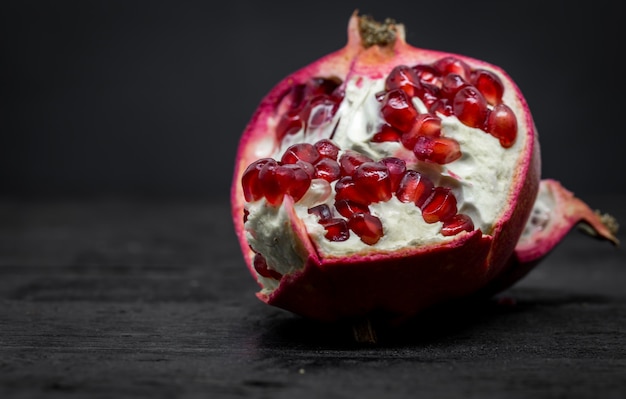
(383, 179)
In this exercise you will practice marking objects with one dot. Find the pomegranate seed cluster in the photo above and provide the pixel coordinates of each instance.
(449, 87)
(309, 105)
(359, 182)
(363, 181)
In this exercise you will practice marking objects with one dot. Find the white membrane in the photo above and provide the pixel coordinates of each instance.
(480, 181)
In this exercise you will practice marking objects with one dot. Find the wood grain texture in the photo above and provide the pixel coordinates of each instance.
(136, 298)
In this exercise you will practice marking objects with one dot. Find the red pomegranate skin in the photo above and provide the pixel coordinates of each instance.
(401, 284)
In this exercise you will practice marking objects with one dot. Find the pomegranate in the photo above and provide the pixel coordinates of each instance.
(383, 179)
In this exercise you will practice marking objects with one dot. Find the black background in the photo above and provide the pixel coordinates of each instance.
(151, 299)
(150, 97)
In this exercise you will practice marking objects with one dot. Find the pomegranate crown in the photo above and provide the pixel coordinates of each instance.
(377, 33)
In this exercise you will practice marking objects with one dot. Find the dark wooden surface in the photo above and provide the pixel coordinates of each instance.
(135, 298)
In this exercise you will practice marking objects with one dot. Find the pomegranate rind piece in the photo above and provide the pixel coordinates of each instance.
(555, 213)
(399, 286)
(559, 211)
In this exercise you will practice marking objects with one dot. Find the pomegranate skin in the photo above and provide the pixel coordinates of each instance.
(555, 212)
(398, 285)
(392, 288)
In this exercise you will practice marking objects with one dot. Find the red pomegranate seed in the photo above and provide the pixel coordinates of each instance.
(308, 168)
(429, 93)
(277, 180)
(451, 64)
(272, 190)
(440, 150)
(252, 189)
(428, 125)
(292, 180)
(322, 212)
(386, 133)
(425, 125)
(345, 188)
(337, 95)
(327, 169)
(441, 205)
(295, 97)
(319, 86)
(327, 149)
(489, 84)
(314, 101)
(404, 78)
(470, 107)
(414, 187)
(260, 265)
(290, 123)
(502, 124)
(442, 106)
(372, 179)
(368, 227)
(398, 110)
(336, 229)
(320, 110)
(451, 84)
(302, 151)
(289, 107)
(347, 208)
(396, 168)
(456, 224)
(349, 160)
(427, 74)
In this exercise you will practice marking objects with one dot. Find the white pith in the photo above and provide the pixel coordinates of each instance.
(540, 215)
(480, 180)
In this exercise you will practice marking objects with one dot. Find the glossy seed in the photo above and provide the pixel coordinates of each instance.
(502, 124)
(404, 78)
(350, 160)
(439, 150)
(441, 205)
(327, 149)
(396, 168)
(368, 227)
(347, 208)
(327, 169)
(302, 151)
(252, 188)
(336, 229)
(372, 179)
(322, 211)
(345, 188)
(456, 224)
(470, 106)
(489, 84)
(414, 187)
(398, 110)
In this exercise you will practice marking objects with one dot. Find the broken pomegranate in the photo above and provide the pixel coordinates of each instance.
(383, 179)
